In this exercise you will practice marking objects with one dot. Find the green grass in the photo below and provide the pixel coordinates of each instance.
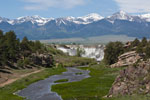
(61, 80)
(93, 88)
(71, 61)
(6, 93)
(91, 40)
(78, 73)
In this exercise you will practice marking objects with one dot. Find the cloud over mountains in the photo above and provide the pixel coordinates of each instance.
(134, 6)
(45, 4)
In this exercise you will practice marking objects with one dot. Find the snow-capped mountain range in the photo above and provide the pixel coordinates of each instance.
(39, 28)
(77, 20)
(42, 21)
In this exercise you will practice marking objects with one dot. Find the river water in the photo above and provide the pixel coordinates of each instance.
(41, 90)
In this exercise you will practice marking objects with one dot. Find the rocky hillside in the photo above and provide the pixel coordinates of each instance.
(135, 79)
(134, 60)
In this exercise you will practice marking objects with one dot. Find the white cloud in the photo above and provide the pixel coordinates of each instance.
(45, 4)
(134, 6)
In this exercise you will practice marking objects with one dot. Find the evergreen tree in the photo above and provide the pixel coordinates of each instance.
(11, 45)
(139, 49)
(112, 51)
(25, 44)
(147, 51)
(25, 47)
(144, 42)
(37, 46)
(1, 48)
(136, 42)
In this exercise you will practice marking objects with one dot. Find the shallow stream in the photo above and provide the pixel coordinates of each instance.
(41, 90)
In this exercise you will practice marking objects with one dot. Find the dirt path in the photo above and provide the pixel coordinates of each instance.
(9, 81)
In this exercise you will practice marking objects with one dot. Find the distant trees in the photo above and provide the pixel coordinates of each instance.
(112, 51)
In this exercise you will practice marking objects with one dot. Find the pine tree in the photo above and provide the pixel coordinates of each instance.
(144, 42)
(11, 45)
(112, 51)
(135, 43)
(25, 47)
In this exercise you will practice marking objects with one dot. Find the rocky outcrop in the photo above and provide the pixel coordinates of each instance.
(134, 79)
(42, 59)
(127, 59)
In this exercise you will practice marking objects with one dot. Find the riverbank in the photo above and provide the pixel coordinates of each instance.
(41, 90)
(6, 92)
(92, 88)
(95, 87)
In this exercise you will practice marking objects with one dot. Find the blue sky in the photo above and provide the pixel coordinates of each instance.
(62, 8)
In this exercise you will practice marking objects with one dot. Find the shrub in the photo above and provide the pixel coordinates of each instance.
(26, 61)
(20, 63)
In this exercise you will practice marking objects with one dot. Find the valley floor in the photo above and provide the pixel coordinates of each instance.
(95, 87)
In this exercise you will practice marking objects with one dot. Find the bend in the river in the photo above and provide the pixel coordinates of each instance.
(41, 90)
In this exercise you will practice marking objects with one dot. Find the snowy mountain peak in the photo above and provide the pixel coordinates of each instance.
(121, 15)
(122, 12)
(84, 19)
(92, 16)
(88, 19)
(34, 19)
(146, 17)
(70, 18)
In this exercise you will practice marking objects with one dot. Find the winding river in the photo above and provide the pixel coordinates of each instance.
(41, 90)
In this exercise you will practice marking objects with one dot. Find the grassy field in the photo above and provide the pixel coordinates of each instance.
(62, 80)
(71, 61)
(6, 93)
(95, 87)
(91, 40)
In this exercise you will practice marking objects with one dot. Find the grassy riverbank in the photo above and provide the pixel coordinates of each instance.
(95, 87)
(92, 88)
(6, 93)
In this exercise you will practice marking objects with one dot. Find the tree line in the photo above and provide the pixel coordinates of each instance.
(12, 49)
(114, 49)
